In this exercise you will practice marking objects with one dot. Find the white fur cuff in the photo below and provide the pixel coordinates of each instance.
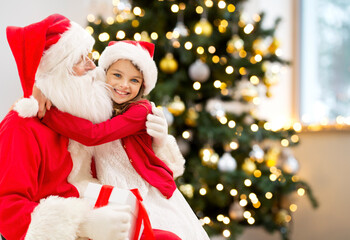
(27, 107)
(57, 218)
(171, 155)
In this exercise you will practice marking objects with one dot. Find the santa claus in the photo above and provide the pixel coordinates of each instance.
(41, 171)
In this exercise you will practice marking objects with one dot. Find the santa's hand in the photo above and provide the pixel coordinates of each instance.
(157, 126)
(44, 103)
(111, 222)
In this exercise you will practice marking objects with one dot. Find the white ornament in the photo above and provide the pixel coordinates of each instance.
(199, 71)
(236, 211)
(257, 152)
(291, 165)
(227, 163)
(181, 29)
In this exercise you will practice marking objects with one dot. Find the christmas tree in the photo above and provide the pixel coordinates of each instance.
(214, 67)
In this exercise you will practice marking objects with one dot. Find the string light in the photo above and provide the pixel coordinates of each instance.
(221, 4)
(91, 18)
(209, 3)
(202, 191)
(186, 134)
(196, 85)
(248, 28)
(251, 221)
(135, 23)
(137, 11)
(268, 195)
(254, 127)
(188, 45)
(226, 233)
(89, 29)
(175, 8)
(217, 83)
(154, 36)
(199, 10)
(137, 36)
(120, 34)
(231, 124)
(95, 55)
(200, 50)
(231, 8)
(219, 187)
(234, 145)
(110, 20)
(103, 37)
(229, 70)
(233, 192)
(301, 191)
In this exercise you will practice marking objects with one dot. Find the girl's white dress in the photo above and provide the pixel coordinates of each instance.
(174, 214)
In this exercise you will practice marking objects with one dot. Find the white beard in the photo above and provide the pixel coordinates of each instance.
(86, 96)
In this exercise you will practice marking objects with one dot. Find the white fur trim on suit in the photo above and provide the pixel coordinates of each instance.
(171, 155)
(81, 173)
(27, 107)
(137, 55)
(57, 218)
(74, 43)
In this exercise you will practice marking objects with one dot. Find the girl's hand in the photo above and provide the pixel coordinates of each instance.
(44, 103)
(157, 126)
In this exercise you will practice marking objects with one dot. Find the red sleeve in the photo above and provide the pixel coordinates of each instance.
(19, 161)
(89, 134)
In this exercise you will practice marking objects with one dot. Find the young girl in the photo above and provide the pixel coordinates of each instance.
(126, 158)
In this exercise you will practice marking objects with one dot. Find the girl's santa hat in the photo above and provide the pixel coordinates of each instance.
(140, 53)
(46, 46)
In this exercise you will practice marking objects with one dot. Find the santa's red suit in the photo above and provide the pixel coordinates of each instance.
(35, 165)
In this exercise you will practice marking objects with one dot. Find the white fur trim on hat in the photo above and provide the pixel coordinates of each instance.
(74, 43)
(137, 55)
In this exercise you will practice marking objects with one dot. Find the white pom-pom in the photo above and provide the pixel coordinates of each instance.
(27, 107)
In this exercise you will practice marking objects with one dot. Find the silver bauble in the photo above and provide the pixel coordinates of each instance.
(227, 163)
(199, 71)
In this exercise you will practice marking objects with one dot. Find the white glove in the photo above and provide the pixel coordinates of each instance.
(111, 222)
(157, 126)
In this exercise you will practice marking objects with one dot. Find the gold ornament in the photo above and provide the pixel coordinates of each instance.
(187, 190)
(268, 92)
(203, 27)
(209, 157)
(274, 46)
(282, 217)
(270, 81)
(191, 117)
(168, 64)
(271, 157)
(248, 166)
(177, 107)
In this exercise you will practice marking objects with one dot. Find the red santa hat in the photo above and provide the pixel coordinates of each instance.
(42, 47)
(140, 53)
